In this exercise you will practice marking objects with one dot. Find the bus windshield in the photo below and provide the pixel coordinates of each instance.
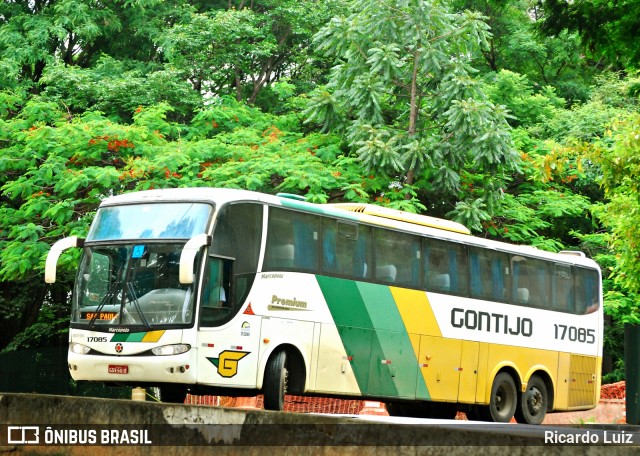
(134, 284)
(150, 221)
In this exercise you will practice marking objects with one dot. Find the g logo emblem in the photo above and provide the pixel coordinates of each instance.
(227, 362)
(119, 347)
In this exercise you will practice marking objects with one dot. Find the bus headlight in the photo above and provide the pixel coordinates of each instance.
(171, 349)
(78, 349)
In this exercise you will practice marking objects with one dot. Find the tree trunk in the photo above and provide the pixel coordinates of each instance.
(413, 112)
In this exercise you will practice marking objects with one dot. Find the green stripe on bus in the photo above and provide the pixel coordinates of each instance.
(360, 341)
(132, 337)
(398, 359)
(381, 307)
(353, 323)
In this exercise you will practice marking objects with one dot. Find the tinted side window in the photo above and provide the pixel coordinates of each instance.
(346, 249)
(562, 288)
(397, 258)
(293, 241)
(587, 290)
(237, 235)
(490, 275)
(531, 281)
(445, 267)
(217, 306)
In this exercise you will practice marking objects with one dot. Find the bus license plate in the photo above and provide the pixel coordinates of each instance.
(115, 369)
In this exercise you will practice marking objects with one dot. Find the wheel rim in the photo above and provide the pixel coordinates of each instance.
(535, 401)
(285, 381)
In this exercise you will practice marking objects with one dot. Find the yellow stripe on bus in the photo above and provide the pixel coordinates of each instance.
(153, 336)
(416, 311)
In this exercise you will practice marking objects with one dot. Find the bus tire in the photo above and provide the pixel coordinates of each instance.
(533, 403)
(504, 399)
(275, 381)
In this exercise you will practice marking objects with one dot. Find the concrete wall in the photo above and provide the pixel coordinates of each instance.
(193, 430)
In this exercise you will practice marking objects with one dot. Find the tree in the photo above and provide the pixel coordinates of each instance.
(34, 34)
(242, 50)
(404, 94)
(516, 45)
(616, 154)
(525, 106)
(118, 87)
(502, 17)
(609, 30)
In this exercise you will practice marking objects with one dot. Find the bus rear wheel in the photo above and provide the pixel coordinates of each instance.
(503, 401)
(275, 381)
(533, 403)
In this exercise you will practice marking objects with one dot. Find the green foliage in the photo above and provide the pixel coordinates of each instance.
(50, 329)
(243, 50)
(517, 46)
(617, 155)
(403, 93)
(587, 122)
(516, 93)
(608, 30)
(117, 88)
(56, 169)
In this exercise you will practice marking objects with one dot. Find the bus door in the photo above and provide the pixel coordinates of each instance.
(228, 342)
(449, 368)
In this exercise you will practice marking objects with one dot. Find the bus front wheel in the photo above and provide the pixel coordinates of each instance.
(275, 381)
(533, 403)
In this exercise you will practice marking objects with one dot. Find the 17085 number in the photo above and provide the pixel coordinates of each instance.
(573, 334)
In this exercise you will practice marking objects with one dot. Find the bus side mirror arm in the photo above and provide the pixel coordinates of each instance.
(188, 254)
(55, 252)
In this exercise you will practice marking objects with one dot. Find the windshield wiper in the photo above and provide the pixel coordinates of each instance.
(110, 292)
(134, 299)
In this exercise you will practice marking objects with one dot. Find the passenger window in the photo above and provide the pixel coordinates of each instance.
(445, 267)
(292, 241)
(397, 258)
(587, 290)
(238, 234)
(531, 284)
(490, 274)
(346, 249)
(563, 289)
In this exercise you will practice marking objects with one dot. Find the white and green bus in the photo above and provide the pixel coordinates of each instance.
(230, 292)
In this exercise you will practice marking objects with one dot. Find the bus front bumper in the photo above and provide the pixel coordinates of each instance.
(134, 369)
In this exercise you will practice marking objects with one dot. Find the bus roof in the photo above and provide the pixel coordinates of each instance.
(365, 213)
(394, 214)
